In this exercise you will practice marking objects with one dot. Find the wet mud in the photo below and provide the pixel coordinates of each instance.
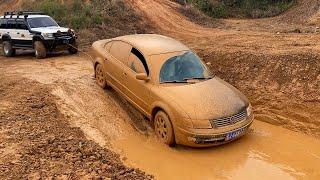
(268, 151)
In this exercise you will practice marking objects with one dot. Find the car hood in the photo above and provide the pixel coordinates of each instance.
(210, 99)
(53, 29)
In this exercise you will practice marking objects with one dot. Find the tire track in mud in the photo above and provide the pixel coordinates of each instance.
(37, 140)
(99, 113)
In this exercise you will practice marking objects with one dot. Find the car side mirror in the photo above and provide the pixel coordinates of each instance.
(142, 76)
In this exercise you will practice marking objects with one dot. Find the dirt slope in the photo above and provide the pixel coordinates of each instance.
(280, 72)
(37, 141)
(302, 12)
(9, 5)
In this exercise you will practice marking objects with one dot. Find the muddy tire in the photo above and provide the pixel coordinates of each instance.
(163, 128)
(100, 76)
(73, 49)
(7, 49)
(40, 50)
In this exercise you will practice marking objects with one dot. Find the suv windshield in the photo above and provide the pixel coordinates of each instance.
(182, 68)
(41, 22)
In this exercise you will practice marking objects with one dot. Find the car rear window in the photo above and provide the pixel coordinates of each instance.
(121, 51)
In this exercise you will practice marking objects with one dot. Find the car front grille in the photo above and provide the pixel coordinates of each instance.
(62, 34)
(215, 123)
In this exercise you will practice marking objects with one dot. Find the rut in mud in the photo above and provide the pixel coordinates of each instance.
(37, 141)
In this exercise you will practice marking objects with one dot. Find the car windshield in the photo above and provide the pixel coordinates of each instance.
(41, 22)
(182, 68)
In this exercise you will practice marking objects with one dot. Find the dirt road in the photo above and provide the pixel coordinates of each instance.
(107, 119)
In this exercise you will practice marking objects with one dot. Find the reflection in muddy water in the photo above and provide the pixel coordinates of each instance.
(268, 152)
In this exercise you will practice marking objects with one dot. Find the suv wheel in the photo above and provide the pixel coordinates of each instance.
(8, 51)
(40, 50)
(73, 49)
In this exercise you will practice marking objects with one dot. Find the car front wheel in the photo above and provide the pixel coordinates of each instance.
(163, 128)
(40, 50)
(8, 50)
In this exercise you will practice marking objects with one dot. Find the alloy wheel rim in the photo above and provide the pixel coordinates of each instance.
(99, 75)
(6, 50)
(161, 128)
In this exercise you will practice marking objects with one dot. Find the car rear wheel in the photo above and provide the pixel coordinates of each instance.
(163, 128)
(100, 76)
(8, 50)
(40, 50)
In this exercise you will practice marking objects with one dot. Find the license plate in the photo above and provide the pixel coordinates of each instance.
(234, 134)
(66, 41)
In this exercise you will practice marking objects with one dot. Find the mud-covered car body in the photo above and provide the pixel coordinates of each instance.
(203, 111)
(20, 30)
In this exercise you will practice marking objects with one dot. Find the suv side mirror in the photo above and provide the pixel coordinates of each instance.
(142, 76)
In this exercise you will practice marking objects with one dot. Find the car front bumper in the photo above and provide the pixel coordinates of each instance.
(212, 137)
(60, 43)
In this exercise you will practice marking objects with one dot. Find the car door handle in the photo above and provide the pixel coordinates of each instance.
(124, 73)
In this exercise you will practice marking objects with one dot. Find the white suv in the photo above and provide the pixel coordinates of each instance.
(34, 30)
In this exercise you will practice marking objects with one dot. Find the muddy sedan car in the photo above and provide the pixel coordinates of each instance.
(173, 88)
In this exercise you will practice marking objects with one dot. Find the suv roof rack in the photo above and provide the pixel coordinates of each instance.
(22, 13)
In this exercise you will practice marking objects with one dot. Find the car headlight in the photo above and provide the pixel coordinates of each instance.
(48, 35)
(71, 31)
(249, 110)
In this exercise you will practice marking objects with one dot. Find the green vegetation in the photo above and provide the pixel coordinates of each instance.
(76, 14)
(242, 8)
(94, 19)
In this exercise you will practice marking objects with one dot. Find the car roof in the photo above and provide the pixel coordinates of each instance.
(152, 44)
(22, 16)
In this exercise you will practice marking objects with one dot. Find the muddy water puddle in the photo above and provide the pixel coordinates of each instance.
(267, 152)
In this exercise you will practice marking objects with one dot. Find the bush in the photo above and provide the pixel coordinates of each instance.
(77, 15)
(242, 8)
(217, 10)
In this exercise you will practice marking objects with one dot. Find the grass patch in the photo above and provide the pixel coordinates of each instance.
(242, 8)
(93, 20)
(77, 14)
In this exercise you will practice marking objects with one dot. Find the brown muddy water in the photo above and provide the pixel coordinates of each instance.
(268, 152)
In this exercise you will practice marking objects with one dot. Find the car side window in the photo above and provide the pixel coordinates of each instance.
(3, 23)
(108, 46)
(21, 25)
(121, 51)
(137, 62)
(11, 24)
